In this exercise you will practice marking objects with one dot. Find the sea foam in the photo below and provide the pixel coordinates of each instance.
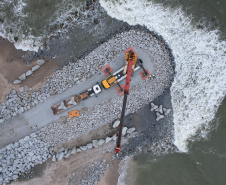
(199, 85)
(123, 167)
(29, 30)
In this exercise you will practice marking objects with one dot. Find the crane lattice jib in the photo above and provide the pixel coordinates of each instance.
(126, 92)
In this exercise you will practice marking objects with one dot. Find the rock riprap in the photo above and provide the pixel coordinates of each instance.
(29, 72)
(90, 65)
(21, 156)
(63, 152)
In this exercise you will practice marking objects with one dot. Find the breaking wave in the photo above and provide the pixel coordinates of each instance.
(29, 23)
(199, 85)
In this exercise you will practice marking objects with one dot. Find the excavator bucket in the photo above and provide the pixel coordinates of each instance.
(73, 113)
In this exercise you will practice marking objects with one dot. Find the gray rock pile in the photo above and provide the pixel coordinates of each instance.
(18, 157)
(18, 103)
(29, 72)
(63, 152)
(91, 173)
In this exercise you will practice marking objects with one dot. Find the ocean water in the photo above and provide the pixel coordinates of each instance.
(199, 84)
(204, 163)
(195, 31)
(29, 23)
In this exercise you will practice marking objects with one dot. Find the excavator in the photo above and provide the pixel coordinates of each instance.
(128, 68)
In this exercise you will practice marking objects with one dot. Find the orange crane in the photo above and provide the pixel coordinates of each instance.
(130, 56)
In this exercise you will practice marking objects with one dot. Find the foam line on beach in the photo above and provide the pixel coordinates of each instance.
(28, 30)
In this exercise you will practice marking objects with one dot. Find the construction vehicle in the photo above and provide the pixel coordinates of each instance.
(134, 61)
(130, 56)
(73, 113)
(119, 75)
(75, 99)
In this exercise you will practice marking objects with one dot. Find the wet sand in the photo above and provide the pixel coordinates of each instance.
(14, 63)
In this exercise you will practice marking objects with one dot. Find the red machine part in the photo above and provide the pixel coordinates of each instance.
(126, 92)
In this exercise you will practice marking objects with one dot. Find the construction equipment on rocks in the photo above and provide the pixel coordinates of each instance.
(130, 56)
(75, 99)
(119, 75)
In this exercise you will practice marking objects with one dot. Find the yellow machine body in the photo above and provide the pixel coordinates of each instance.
(127, 58)
(73, 113)
(109, 81)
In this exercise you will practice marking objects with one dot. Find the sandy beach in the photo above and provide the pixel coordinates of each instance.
(14, 63)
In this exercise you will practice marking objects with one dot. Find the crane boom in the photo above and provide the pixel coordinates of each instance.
(126, 92)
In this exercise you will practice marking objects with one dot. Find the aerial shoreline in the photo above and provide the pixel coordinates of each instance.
(136, 30)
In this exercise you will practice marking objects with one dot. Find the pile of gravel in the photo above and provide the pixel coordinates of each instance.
(18, 157)
(91, 174)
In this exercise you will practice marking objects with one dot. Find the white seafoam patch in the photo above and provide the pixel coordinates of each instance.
(123, 168)
(22, 17)
(25, 42)
(199, 85)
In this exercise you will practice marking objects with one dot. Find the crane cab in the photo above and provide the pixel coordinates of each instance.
(109, 81)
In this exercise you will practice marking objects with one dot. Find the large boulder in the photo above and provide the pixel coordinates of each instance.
(61, 156)
(17, 82)
(35, 68)
(130, 130)
(116, 124)
(40, 62)
(114, 137)
(54, 158)
(83, 148)
(124, 129)
(95, 143)
(101, 142)
(108, 139)
(67, 154)
(16, 144)
(73, 151)
(26, 138)
(28, 73)
(10, 146)
(22, 77)
(60, 149)
(89, 145)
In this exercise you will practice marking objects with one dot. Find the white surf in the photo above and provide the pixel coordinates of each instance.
(199, 85)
